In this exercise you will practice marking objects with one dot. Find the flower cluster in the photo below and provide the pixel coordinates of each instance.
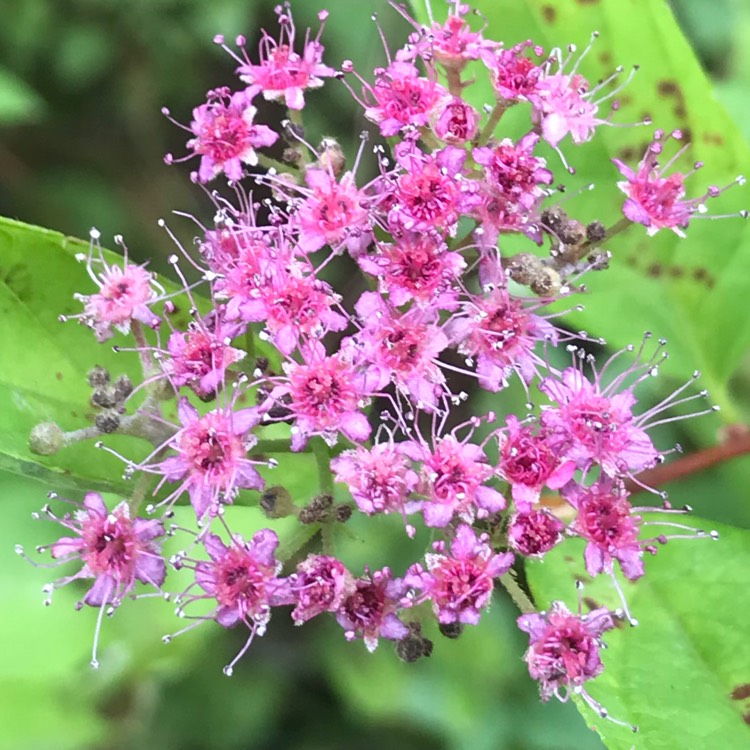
(275, 360)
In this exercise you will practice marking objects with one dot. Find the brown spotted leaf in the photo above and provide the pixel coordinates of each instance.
(692, 290)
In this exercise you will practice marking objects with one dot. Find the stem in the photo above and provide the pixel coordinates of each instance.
(295, 116)
(616, 228)
(250, 346)
(268, 162)
(297, 542)
(139, 493)
(489, 128)
(454, 81)
(517, 594)
(147, 364)
(323, 461)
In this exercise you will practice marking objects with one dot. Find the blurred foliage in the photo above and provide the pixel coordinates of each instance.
(82, 83)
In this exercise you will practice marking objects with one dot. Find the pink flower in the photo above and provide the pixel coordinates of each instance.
(659, 202)
(513, 187)
(115, 549)
(380, 478)
(453, 476)
(321, 584)
(403, 348)
(370, 612)
(242, 578)
(237, 242)
(534, 533)
(514, 76)
(454, 121)
(335, 214)
(564, 649)
(244, 277)
(225, 135)
(562, 102)
(561, 107)
(325, 395)
(501, 333)
(211, 463)
(432, 192)
(514, 173)
(416, 266)
(401, 98)
(460, 584)
(528, 463)
(125, 293)
(453, 44)
(291, 304)
(200, 356)
(592, 425)
(283, 74)
(606, 521)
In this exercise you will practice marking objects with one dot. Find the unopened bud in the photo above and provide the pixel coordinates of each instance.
(572, 232)
(317, 510)
(599, 260)
(451, 629)
(276, 502)
(292, 155)
(524, 268)
(414, 646)
(46, 439)
(342, 513)
(98, 377)
(123, 387)
(553, 218)
(332, 156)
(546, 283)
(104, 398)
(596, 231)
(107, 422)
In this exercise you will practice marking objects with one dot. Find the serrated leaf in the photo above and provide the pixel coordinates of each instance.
(675, 675)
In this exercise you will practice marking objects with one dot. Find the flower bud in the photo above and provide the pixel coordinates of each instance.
(98, 377)
(104, 398)
(414, 646)
(123, 387)
(342, 513)
(318, 510)
(524, 268)
(107, 421)
(332, 156)
(276, 502)
(546, 283)
(46, 439)
(451, 630)
(553, 218)
(595, 232)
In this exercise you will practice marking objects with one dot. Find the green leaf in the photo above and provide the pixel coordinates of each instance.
(692, 291)
(44, 362)
(675, 674)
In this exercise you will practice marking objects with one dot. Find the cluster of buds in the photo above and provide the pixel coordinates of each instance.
(369, 386)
